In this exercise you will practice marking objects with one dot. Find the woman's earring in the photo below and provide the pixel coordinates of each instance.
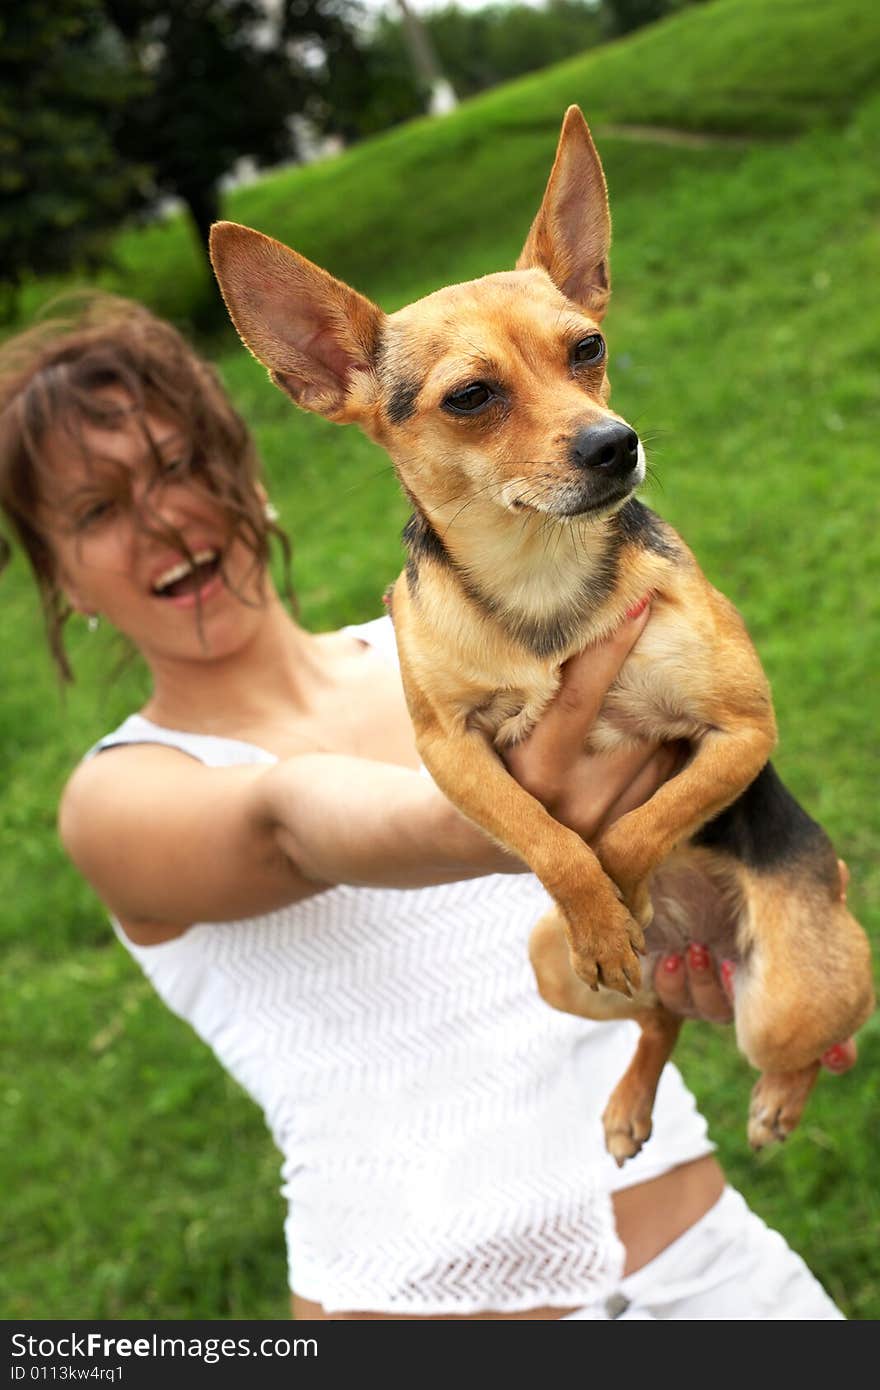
(270, 512)
(93, 622)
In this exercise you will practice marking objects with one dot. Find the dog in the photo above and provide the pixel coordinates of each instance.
(526, 545)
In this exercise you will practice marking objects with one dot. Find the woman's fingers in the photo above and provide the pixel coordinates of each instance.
(692, 986)
(841, 1057)
(650, 768)
(550, 763)
(671, 986)
(710, 999)
(586, 679)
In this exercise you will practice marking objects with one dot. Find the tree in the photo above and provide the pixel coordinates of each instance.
(221, 81)
(63, 187)
(130, 101)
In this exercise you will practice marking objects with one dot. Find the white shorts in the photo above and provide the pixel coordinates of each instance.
(728, 1266)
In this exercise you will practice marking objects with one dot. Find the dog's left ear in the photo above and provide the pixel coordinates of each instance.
(318, 337)
(571, 235)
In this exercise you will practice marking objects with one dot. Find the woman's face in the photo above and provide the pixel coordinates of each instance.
(111, 494)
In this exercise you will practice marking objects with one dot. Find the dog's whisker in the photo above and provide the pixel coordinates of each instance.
(555, 535)
(368, 478)
(572, 532)
(473, 498)
(468, 496)
(445, 502)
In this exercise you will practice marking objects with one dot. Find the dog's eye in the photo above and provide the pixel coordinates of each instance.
(470, 399)
(589, 352)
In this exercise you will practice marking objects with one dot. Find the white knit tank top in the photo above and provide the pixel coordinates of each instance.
(439, 1123)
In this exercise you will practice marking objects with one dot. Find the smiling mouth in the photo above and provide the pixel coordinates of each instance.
(188, 577)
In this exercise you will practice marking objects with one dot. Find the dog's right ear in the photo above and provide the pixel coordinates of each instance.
(318, 337)
(571, 234)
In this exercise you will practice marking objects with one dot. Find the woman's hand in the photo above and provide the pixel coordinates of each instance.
(588, 791)
(694, 985)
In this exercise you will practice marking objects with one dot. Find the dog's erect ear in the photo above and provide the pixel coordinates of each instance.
(571, 235)
(317, 336)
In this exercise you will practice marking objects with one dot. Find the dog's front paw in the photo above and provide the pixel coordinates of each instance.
(608, 956)
(638, 912)
(638, 900)
(777, 1104)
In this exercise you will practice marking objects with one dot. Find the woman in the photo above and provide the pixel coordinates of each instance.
(295, 887)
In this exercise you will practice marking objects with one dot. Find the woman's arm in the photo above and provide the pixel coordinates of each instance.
(166, 841)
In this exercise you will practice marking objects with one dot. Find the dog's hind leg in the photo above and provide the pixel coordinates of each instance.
(778, 1102)
(627, 1120)
(804, 983)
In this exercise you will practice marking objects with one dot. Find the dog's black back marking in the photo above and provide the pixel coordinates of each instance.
(768, 830)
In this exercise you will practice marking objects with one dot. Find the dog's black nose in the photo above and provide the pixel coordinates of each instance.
(611, 447)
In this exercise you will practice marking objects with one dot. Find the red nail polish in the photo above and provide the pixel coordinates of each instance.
(727, 972)
(639, 607)
(671, 964)
(834, 1057)
(698, 957)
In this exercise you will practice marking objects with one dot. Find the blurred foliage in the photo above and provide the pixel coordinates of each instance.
(623, 16)
(221, 80)
(128, 102)
(477, 49)
(62, 187)
(480, 48)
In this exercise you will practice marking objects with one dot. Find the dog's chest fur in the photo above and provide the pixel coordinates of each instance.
(484, 632)
(479, 677)
(653, 697)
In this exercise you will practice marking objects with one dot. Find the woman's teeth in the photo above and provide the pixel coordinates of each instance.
(182, 570)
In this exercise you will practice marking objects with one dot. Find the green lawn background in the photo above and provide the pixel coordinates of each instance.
(745, 344)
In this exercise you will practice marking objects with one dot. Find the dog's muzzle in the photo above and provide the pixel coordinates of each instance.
(609, 463)
(610, 449)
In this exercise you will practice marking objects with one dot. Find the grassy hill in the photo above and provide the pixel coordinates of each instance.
(744, 346)
(450, 196)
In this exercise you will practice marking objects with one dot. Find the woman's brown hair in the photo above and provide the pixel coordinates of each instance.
(70, 370)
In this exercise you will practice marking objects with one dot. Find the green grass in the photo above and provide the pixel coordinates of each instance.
(744, 345)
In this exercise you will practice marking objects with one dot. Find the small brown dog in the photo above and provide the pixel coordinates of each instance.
(526, 545)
